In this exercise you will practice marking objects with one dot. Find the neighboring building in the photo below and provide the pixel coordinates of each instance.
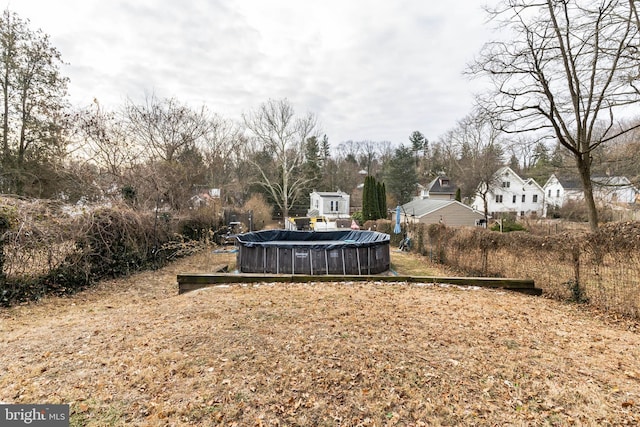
(607, 190)
(448, 212)
(441, 188)
(509, 193)
(616, 190)
(332, 205)
(205, 198)
(559, 190)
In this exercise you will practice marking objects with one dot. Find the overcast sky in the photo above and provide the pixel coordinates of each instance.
(369, 70)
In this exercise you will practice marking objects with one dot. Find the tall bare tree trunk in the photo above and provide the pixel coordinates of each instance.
(584, 168)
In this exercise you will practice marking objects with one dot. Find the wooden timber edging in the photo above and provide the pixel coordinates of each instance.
(191, 282)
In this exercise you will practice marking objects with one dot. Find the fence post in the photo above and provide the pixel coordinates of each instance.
(2, 276)
(485, 260)
(4, 227)
(576, 263)
(576, 289)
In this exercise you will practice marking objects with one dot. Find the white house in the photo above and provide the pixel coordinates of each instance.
(607, 190)
(616, 190)
(332, 205)
(559, 190)
(509, 193)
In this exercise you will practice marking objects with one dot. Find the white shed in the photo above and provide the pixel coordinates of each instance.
(332, 205)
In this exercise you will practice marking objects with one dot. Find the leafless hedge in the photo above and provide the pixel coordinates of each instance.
(46, 249)
(601, 268)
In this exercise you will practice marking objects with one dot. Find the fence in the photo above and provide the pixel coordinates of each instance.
(601, 268)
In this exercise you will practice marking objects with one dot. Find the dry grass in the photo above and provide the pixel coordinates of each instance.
(133, 352)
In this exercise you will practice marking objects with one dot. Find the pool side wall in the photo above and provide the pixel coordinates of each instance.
(347, 259)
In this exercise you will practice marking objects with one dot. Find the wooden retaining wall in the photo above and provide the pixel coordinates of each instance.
(190, 282)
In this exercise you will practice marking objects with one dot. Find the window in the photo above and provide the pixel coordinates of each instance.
(535, 198)
(499, 198)
(558, 192)
(513, 199)
(334, 206)
(521, 213)
(523, 198)
(506, 184)
(549, 192)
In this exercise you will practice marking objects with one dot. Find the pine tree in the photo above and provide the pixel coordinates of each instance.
(382, 200)
(366, 207)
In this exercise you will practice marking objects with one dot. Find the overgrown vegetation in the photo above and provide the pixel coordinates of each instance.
(601, 268)
(47, 250)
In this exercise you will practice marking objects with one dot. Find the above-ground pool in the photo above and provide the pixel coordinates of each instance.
(313, 252)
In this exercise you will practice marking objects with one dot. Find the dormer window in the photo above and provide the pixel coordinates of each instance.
(444, 182)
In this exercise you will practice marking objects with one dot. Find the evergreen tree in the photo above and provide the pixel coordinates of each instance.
(33, 92)
(312, 161)
(401, 176)
(382, 200)
(366, 196)
(374, 204)
(325, 148)
(417, 140)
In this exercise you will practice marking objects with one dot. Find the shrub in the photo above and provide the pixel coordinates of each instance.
(261, 211)
(358, 217)
(508, 225)
(200, 223)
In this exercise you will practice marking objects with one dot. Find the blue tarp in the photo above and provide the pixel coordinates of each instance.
(313, 239)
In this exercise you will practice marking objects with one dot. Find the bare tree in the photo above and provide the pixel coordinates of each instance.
(221, 148)
(476, 152)
(166, 127)
(570, 66)
(277, 130)
(107, 141)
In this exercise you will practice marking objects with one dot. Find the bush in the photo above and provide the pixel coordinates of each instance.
(200, 223)
(358, 217)
(54, 253)
(508, 225)
(576, 210)
(261, 211)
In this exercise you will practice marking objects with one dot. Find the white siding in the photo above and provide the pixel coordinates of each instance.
(507, 195)
(331, 205)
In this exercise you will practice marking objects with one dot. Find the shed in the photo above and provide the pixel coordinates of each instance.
(432, 211)
(330, 204)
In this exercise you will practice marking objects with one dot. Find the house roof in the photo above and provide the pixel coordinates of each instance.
(330, 193)
(436, 186)
(422, 207)
(612, 181)
(566, 181)
(532, 182)
(569, 183)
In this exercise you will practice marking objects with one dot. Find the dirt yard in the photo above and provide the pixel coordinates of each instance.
(133, 352)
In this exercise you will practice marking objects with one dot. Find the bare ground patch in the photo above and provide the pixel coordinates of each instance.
(133, 352)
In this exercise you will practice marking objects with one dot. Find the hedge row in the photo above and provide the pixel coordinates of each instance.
(46, 252)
